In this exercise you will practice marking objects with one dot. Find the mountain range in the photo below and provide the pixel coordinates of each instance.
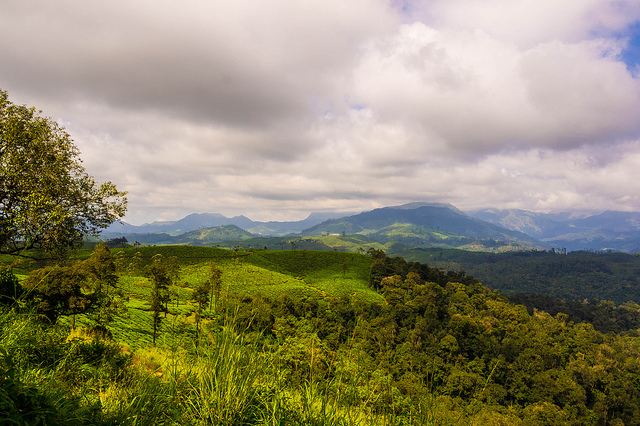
(413, 225)
(196, 221)
(609, 230)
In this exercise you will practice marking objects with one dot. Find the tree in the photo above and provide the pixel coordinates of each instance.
(136, 263)
(215, 282)
(48, 203)
(58, 290)
(89, 287)
(10, 287)
(109, 299)
(201, 296)
(161, 281)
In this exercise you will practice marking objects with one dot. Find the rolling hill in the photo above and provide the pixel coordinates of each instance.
(212, 220)
(198, 237)
(423, 225)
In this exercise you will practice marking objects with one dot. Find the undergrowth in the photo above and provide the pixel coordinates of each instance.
(50, 376)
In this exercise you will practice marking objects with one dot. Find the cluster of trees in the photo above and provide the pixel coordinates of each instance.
(578, 275)
(446, 334)
(604, 315)
(78, 287)
(90, 288)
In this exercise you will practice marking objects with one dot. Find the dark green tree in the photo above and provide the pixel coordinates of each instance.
(109, 299)
(215, 283)
(201, 295)
(60, 290)
(48, 203)
(135, 264)
(10, 287)
(160, 280)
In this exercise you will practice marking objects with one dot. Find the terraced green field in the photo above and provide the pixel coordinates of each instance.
(297, 273)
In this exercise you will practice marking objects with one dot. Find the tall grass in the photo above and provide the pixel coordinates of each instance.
(227, 382)
(50, 378)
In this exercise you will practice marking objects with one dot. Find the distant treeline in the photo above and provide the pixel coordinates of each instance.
(577, 275)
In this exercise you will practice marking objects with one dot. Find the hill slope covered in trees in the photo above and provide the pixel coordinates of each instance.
(301, 337)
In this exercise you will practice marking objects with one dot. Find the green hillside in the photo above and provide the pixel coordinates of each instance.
(424, 225)
(576, 275)
(204, 236)
(213, 235)
(298, 337)
(265, 272)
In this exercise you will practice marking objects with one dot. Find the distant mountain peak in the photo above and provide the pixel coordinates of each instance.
(419, 204)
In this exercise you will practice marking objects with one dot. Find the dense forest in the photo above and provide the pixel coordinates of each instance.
(577, 275)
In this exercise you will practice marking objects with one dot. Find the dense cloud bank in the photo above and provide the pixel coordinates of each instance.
(275, 109)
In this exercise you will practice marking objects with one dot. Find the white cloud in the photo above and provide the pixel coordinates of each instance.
(481, 95)
(526, 22)
(285, 107)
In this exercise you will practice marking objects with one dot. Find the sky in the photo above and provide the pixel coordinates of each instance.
(276, 109)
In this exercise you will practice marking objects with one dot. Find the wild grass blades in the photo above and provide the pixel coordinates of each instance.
(145, 400)
(223, 386)
(31, 390)
(341, 395)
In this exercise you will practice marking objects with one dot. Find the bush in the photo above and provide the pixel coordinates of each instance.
(10, 288)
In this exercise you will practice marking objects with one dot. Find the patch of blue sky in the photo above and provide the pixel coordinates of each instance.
(631, 54)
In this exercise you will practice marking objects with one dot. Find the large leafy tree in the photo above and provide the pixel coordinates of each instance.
(109, 298)
(48, 203)
(60, 290)
(84, 287)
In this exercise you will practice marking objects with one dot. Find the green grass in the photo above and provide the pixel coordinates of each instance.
(296, 273)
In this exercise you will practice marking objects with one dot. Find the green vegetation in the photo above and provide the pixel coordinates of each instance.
(301, 337)
(574, 276)
(424, 225)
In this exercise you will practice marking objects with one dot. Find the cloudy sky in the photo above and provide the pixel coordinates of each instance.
(278, 108)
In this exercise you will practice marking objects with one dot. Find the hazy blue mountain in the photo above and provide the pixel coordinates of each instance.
(610, 230)
(426, 225)
(535, 224)
(197, 221)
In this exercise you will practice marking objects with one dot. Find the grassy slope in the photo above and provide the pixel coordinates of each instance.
(297, 273)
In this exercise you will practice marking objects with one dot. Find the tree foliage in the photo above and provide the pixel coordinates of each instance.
(442, 333)
(84, 287)
(201, 297)
(48, 202)
(103, 283)
(59, 290)
(161, 280)
(10, 287)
